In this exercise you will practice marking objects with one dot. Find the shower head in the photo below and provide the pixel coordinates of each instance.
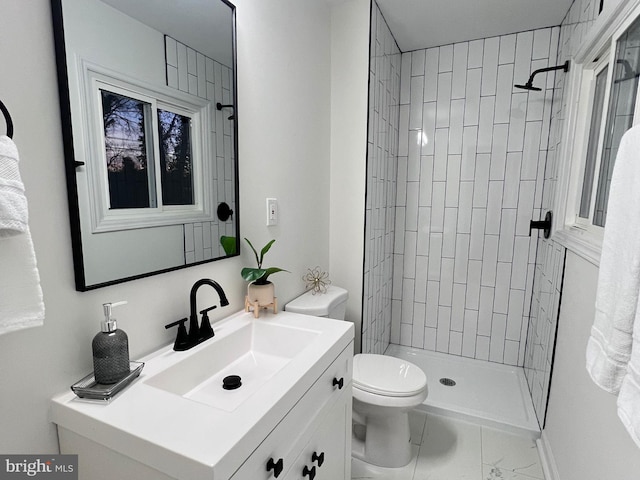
(529, 84)
(220, 106)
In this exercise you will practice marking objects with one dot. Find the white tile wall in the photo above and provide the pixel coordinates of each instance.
(194, 73)
(462, 251)
(383, 166)
(549, 266)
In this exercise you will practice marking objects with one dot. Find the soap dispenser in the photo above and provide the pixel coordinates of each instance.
(110, 349)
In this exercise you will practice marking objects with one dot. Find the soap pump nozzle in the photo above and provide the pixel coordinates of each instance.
(110, 324)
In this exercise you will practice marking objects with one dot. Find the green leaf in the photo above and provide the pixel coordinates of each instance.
(264, 250)
(258, 260)
(229, 245)
(271, 270)
(252, 274)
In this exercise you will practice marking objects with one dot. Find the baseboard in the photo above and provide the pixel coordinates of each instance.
(546, 458)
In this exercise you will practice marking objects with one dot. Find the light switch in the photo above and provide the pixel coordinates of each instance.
(272, 211)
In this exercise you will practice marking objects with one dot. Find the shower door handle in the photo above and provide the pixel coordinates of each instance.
(544, 225)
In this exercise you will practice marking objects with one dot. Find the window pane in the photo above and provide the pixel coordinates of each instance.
(124, 121)
(175, 158)
(620, 116)
(592, 147)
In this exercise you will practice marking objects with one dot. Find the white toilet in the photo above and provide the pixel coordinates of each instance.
(385, 389)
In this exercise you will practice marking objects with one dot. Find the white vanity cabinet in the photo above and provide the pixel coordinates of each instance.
(316, 433)
(290, 419)
(323, 458)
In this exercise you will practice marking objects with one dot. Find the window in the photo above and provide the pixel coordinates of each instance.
(602, 88)
(604, 139)
(153, 145)
(127, 151)
(592, 148)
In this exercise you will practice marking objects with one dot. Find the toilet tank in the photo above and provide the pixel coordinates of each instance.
(332, 304)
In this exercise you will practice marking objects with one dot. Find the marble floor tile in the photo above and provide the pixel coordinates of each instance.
(510, 453)
(363, 471)
(490, 472)
(450, 450)
(446, 448)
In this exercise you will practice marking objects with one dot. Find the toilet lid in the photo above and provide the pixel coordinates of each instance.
(386, 375)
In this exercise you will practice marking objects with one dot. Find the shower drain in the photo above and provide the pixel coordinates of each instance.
(448, 382)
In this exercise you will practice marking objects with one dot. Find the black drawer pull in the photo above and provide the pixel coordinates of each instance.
(319, 458)
(275, 466)
(338, 383)
(310, 472)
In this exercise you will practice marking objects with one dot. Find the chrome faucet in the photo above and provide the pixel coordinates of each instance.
(197, 333)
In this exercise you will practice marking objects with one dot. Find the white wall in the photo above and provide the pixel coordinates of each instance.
(283, 87)
(284, 83)
(349, 77)
(586, 437)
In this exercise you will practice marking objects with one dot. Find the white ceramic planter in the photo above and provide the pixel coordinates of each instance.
(263, 295)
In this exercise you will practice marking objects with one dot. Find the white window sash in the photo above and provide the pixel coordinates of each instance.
(104, 219)
(586, 239)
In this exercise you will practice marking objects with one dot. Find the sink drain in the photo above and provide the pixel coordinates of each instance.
(448, 382)
(231, 382)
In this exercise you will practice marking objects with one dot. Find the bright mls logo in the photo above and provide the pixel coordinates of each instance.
(52, 467)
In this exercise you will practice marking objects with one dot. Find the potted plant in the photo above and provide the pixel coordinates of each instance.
(260, 290)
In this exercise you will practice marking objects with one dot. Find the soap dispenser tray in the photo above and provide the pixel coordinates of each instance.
(89, 389)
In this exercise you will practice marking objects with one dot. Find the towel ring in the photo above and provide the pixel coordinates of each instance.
(7, 118)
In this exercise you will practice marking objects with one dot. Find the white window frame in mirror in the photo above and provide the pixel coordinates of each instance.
(578, 235)
(105, 219)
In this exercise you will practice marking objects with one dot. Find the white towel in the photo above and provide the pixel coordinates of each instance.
(14, 216)
(613, 350)
(21, 304)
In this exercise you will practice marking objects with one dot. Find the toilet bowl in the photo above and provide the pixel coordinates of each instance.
(385, 389)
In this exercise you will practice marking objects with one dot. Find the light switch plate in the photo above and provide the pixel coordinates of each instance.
(272, 211)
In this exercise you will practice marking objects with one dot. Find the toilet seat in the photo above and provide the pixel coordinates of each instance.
(387, 376)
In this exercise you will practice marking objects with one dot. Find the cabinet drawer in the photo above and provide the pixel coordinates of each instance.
(326, 455)
(286, 441)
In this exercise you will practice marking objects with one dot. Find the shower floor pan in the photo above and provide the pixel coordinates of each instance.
(484, 392)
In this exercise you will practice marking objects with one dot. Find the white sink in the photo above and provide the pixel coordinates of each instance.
(255, 352)
(177, 419)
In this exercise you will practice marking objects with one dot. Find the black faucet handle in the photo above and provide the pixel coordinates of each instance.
(204, 312)
(182, 338)
(205, 326)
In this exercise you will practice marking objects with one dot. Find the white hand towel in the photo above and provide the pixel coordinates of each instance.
(14, 215)
(21, 303)
(613, 356)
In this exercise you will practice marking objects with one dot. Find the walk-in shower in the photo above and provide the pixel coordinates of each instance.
(456, 171)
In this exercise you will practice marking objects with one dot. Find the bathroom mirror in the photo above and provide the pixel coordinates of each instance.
(147, 97)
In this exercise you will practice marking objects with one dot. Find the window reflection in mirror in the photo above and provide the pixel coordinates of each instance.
(149, 157)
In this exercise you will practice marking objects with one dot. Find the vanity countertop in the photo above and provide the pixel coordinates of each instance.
(190, 439)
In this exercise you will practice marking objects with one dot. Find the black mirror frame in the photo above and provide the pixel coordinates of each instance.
(71, 164)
